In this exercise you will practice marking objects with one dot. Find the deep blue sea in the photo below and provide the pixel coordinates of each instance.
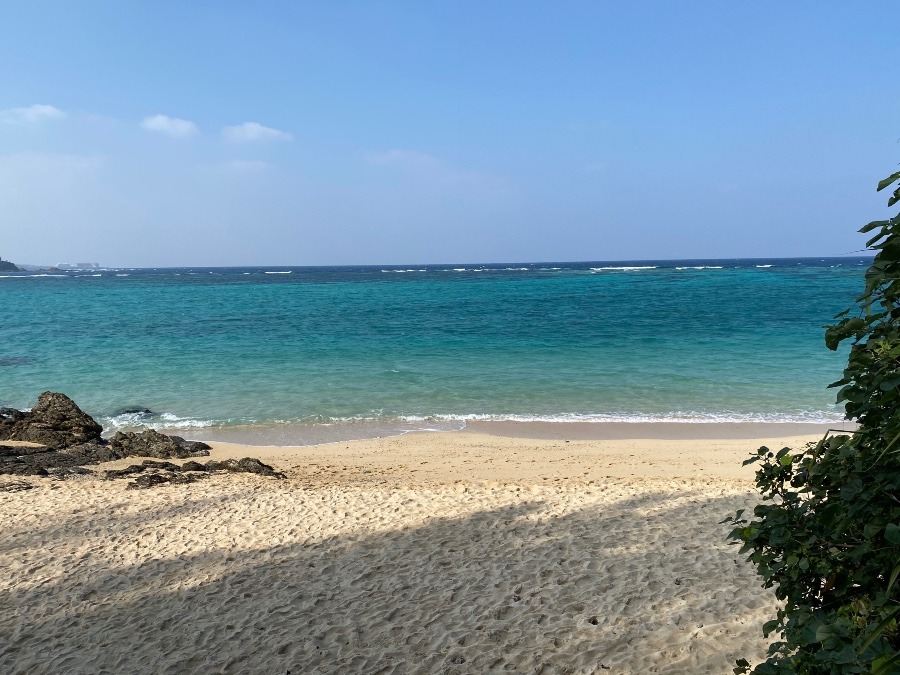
(431, 345)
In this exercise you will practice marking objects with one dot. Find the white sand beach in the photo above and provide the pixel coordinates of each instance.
(460, 552)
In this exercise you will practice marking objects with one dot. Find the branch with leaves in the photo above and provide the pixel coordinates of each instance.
(826, 536)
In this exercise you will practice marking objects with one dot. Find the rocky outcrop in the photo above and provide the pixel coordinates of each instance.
(151, 473)
(55, 422)
(9, 418)
(151, 443)
(6, 266)
(70, 438)
(39, 461)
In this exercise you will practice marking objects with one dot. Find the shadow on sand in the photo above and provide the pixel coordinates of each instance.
(639, 585)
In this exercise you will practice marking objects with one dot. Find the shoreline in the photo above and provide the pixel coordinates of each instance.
(653, 430)
(305, 435)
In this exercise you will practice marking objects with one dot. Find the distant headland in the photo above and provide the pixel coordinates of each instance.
(6, 266)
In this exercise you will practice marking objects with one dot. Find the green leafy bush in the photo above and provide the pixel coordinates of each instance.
(826, 536)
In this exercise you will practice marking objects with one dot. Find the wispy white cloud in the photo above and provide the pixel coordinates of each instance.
(171, 126)
(254, 131)
(30, 114)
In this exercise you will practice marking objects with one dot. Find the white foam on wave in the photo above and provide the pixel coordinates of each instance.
(763, 266)
(482, 269)
(626, 268)
(402, 271)
(687, 417)
(323, 430)
(288, 272)
(701, 267)
(806, 417)
(139, 420)
(170, 421)
(123, 275)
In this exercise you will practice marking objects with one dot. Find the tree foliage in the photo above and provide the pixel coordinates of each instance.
(826, 535)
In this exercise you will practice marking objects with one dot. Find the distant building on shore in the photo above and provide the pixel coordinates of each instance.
(78, 266)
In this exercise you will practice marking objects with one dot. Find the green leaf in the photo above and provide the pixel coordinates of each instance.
(892, 533)
(893, 578)
(879, 629)
(885, 665)
(887, 181)
(824, 632)
(871, 226)
(894, 198)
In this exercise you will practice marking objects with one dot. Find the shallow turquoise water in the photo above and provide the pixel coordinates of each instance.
(732, 340)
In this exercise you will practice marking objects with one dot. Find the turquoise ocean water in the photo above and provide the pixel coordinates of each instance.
(430, 346)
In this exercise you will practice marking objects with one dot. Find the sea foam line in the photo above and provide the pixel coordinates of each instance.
(812, 417)
(171, 421)
(701, 267)
(635, 268)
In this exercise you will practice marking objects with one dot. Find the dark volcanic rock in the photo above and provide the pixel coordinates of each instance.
(151, 443)
(38, 461)
(70, 438)
(9, 417)
(140, 468)
(16, 486)
(149, 480)
(133, 411)
(159, 473)
(55, 421)
(93, 453)
(20, 450)
(66, 472)
(43, 461)
(245, 465)
(122, 473)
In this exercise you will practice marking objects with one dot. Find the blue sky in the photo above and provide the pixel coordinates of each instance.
(237, 133)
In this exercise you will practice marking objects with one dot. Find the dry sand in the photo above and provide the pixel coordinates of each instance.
(427, 553)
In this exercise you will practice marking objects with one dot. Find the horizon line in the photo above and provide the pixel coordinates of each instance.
(856, 254)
